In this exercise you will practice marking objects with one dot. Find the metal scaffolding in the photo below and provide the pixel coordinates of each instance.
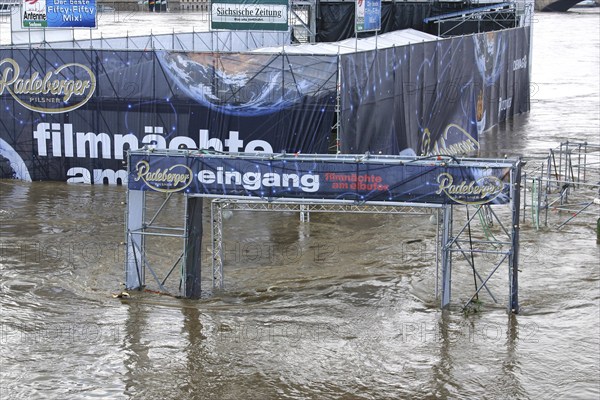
(218, 206)
(197, 41)
(497, 16)
(566, 182)
(139, 230)
(303, 20)
(473, 242)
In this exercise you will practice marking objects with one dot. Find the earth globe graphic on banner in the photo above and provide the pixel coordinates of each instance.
(246, 85)
(11, 164)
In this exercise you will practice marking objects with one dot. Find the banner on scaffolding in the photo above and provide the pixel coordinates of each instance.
(368, 15)
(432, 98)
(58, 14)
(262, 15)
(411, 181)
(73, 114)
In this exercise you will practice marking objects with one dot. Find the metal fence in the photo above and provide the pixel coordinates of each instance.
(563, 187)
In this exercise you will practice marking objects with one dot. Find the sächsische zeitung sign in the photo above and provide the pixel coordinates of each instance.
(261, 15)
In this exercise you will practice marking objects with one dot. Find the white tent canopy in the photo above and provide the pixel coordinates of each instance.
(384, 41)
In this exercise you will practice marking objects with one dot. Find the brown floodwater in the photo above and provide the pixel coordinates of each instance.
(340, 307)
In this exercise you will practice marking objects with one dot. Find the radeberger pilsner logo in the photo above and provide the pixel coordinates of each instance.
(52, 92)
(173, 179)
(481, 191)
(453, 141)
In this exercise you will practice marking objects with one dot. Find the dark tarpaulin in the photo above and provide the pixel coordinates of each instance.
(230, 102)
(408, 15)
(433, 97)
(336, 19)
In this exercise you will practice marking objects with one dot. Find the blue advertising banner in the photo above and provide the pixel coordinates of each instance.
(400, 101)
(288, 177)
(59, 14)
(73, 115)
(368, 15)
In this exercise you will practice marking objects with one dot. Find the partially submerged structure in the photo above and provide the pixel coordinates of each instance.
(402, 92)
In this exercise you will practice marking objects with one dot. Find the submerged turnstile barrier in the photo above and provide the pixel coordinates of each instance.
(335, 183)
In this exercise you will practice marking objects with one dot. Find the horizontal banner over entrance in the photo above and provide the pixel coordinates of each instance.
(359, 178)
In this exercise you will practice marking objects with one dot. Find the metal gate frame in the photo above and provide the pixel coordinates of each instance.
(449, 243)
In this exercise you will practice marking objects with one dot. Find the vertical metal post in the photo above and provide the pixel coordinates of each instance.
(338, 105)
(192, 252)
(539, 191)
(437, 252)
(560, 149)
(525, 196)
(513, 259)
(546, 206)
(135, 258)
(446, 255)
(216, 224)
(567, 158)
(579, 164)
(184, 257)
(535, 203)
(584, 159)
(313, 21)
(568, 170)
(304, 213)
(551, 157)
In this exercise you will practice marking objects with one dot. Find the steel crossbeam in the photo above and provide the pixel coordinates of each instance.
(455, 236)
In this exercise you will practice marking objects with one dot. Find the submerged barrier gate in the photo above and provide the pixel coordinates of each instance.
(327, 183)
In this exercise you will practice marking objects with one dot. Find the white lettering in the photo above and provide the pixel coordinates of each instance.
(255, 180)
(68, 140)
(310, 183)
(271, 180)
(63, 140)
(41, 134)
(56, 145)
(214, 144)
(504, 104)
(520, 63)
(66, 143)
(93, 140)
(97, 176)
(155, 142)
(255, 145)
(482, 191)
(121, 140)
(179, 142)
(79, 175)
(234, 143)
(53, 85)
(110, 177)
(206, 176)
(251, 180)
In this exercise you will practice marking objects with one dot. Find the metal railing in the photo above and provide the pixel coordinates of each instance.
(564, 186)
